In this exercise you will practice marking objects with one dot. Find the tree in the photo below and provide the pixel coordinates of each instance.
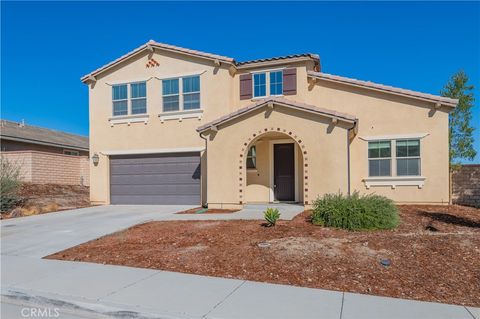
(461, 131)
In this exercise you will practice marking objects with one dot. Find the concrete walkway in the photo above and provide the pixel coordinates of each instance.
(85, 290)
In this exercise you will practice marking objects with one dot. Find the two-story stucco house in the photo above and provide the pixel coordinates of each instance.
(170, 125)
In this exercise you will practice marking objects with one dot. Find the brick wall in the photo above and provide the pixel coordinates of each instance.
(466, 185)
(49, 168)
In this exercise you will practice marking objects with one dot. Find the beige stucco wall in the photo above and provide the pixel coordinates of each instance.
(379, 114)
(227, 154)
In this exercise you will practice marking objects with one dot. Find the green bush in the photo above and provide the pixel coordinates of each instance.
(271, 216)
(9, 184)
(355, 212)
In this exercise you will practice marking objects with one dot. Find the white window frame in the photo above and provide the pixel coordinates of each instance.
(419, 157)
(381, 158)
(129, 100)
(267, 82)
(181, 95)
(395, 180)
(189, 93)
(136, 98)
(180, 87)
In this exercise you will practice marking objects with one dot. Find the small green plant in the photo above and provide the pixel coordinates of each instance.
(9, 184)
(271, 216)
(355, 212)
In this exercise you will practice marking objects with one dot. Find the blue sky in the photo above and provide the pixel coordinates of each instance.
(46, 47)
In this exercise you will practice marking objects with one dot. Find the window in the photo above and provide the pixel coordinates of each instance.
(408, 157)
(138, 99)
(191, 93)
(138, 93)
(170, 95)
(379, 158)
(69, 152)
(188, 100)
(259, 84)
(252, 158)
(276, 83)
(120, 99)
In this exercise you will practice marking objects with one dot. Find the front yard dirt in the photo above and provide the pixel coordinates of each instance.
(46, 198)
(434, 254)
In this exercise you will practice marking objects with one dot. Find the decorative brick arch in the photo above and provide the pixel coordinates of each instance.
(242, 177)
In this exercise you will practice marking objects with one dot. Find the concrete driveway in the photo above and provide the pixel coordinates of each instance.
(42, 235)
(85, 290)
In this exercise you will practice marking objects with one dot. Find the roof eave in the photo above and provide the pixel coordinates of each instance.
(147, 46)
(337, 116)
(346, 81)
(275, 62)
(32, 141)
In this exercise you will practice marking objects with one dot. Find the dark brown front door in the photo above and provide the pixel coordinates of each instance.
(284, 172)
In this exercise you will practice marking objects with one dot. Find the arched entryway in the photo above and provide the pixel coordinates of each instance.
(273, 168)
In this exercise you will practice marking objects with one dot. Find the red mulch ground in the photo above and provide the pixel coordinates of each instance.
(435, 253)
(208, 211)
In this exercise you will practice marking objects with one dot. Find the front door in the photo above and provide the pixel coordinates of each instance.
(284, 172)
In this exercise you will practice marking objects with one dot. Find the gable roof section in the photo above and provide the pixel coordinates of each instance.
(384, 88)
(38, 135)
(152, 45)
(278, 101)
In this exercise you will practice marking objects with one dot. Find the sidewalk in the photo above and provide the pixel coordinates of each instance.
(94, 290)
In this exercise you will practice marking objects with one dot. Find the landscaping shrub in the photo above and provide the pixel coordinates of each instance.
(271, 216)
(9, 184)
(355, 212)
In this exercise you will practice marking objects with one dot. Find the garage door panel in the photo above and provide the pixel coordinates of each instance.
(155, 179)
(172, 189)
(155, 200)
(165, 168)
(159, 179)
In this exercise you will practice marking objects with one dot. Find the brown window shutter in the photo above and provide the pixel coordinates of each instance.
(290, 81)
(245, 86)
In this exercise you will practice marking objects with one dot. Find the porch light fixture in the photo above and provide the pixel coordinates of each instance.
(95, 159)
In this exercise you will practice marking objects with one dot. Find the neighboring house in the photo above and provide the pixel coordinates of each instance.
(46, 156)
(170, 125)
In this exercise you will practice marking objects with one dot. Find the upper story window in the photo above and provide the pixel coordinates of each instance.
(171, 97)
(406, 159)
(133, 103)
(276, 83)
(259, 84)
(268, 83)
(191, 93)
(138, 93)
(188, 100)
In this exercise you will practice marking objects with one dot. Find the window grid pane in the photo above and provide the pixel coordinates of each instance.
(252, 157)
(170, 87)
(276, 83)
(170, 103)
(259, 85)
(138, 90)
(139, 106)
(191, 101)
(119, 92)
(379, 167)
(379, 149)
(120, 108)
(191, 84)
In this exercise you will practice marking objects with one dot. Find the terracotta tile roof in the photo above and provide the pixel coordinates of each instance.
(386, 88)
(38, 135)
(278, 101)
(285, 57)
(160, 46)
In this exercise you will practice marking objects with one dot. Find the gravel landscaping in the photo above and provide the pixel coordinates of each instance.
(433, 255)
